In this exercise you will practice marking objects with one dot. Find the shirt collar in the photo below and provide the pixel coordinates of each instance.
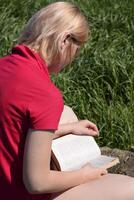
(31, 55)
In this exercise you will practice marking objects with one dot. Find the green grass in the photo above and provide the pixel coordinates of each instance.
(99, 85)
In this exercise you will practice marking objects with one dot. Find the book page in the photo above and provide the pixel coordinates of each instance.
(104, 161)
(73, 151)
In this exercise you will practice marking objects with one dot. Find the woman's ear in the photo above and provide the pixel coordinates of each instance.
(65, 41)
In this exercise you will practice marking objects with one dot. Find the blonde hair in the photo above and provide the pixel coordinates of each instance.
(46, 27)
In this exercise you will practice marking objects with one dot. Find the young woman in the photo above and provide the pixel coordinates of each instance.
(31, 108)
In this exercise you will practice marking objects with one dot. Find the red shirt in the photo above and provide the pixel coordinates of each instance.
(28, 99)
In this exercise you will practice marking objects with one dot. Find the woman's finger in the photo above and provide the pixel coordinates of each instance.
(88, 131)
(93, 133)
(93, 126)
(90, 124)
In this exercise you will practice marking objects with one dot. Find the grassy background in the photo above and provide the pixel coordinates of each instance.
(99, 85)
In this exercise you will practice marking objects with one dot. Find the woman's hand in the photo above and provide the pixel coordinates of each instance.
(82, 127)
(90, 173)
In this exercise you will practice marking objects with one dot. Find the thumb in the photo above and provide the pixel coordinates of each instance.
(88, 164)
(89, 131)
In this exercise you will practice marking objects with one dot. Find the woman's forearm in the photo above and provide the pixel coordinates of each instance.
(80, 127)
(58, 181)
(63, 129)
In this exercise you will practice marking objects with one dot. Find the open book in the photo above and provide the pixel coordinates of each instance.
(71, 152)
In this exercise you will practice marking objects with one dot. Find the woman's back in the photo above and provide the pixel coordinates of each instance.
(24, 82)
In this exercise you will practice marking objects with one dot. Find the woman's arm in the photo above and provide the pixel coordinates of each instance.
(82, 127)
(37, 176)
